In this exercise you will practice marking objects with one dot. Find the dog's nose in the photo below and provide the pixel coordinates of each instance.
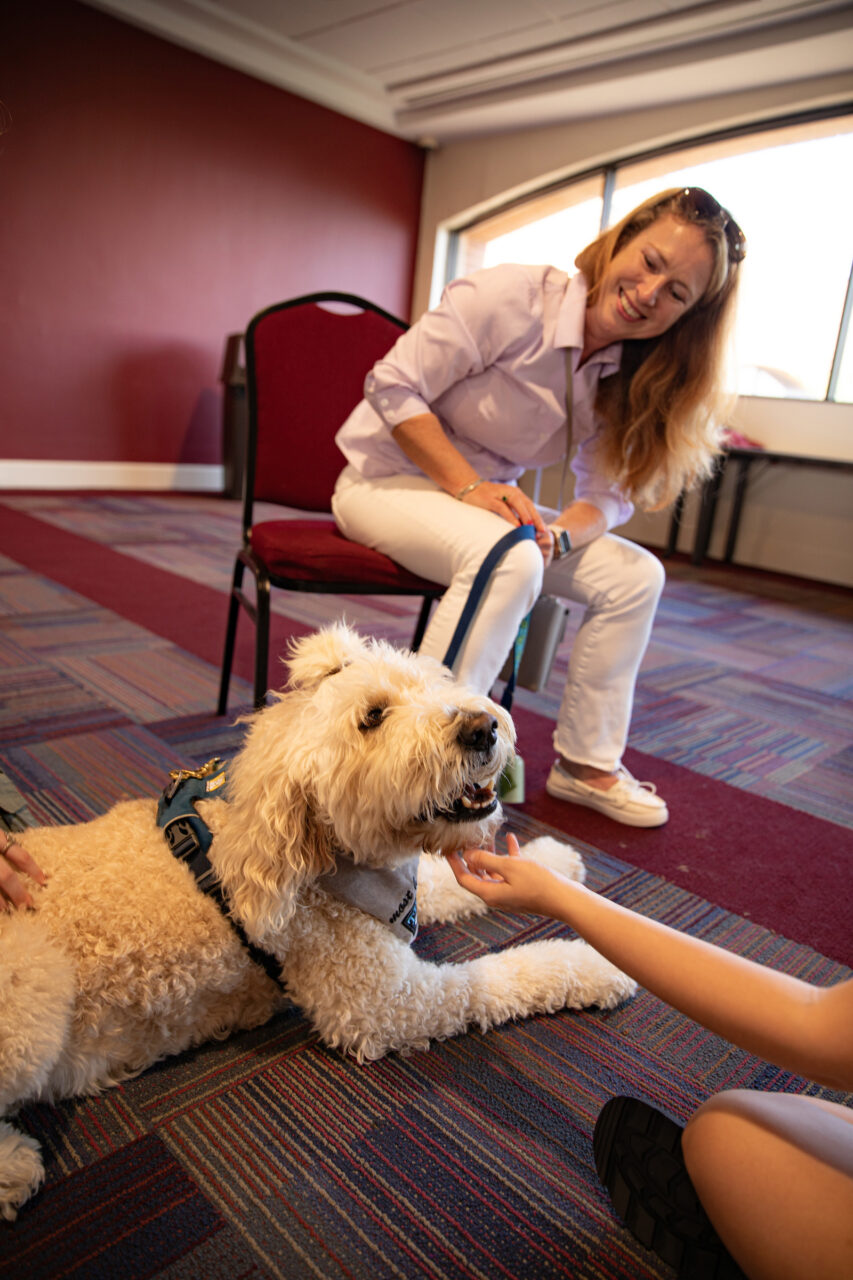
(479, 732)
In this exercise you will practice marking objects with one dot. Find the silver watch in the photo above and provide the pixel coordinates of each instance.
(562, 541)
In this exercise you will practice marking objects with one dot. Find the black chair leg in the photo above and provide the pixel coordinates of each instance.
(230, 637)
(262, 642)
(423, 619)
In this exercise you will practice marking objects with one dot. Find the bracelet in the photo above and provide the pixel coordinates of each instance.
(467, 488)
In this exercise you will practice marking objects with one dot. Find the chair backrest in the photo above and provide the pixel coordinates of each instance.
(305, 371)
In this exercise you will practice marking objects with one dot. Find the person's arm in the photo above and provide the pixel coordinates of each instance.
(583, 521)
(15, 862)
(424, 442)
(802, 1028)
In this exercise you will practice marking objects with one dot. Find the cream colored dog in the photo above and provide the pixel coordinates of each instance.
(371, 757)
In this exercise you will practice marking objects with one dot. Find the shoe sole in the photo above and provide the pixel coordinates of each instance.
(638, 1158)
(617, 815)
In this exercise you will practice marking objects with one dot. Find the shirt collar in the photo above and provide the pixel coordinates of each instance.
(569, 327)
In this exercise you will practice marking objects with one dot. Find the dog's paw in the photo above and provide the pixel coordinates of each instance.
(21, 1170)
(558, 857)
(599, 982)
(441, 898)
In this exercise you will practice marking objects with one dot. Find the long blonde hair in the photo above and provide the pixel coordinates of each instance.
(662, 412)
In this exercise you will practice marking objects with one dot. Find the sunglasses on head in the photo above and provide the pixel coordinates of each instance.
(699, 203)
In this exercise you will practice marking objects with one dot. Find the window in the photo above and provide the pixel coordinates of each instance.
(549, 228)
(790, 189)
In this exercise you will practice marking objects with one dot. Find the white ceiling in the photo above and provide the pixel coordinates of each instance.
(437, 70)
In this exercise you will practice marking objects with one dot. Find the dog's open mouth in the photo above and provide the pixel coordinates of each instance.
(474, 803)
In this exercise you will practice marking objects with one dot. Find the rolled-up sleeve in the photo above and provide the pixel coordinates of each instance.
(591, 487)
(477, 317)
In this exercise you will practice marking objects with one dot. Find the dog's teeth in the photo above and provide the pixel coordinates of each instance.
(477, 804)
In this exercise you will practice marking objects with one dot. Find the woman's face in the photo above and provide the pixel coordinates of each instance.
(650, 283)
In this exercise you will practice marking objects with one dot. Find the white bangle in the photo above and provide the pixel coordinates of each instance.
(468, 488)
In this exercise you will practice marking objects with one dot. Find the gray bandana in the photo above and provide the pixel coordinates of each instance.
(387, 893)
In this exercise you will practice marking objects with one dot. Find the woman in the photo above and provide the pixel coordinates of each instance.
(625, 358)
(772, 1171)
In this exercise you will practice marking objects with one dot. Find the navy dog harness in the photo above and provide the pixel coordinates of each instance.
(190, 837)
(388, 894)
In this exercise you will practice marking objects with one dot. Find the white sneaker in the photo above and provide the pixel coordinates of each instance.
(629, 801)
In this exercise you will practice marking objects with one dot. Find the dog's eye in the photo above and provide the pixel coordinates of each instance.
(372, 719)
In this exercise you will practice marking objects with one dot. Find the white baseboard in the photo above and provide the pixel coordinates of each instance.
(201, 477)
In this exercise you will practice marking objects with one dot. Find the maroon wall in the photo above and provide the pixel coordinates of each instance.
(150, 202)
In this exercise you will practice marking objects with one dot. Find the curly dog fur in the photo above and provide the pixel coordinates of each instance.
(371, 752)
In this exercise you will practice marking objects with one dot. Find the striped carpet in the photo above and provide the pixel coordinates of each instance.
(270, 1156)
(748, 677)
(777, 858)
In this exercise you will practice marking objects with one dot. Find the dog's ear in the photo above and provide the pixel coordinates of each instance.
(317, 656)
(271, 843)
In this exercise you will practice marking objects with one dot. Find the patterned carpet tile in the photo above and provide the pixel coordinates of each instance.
(268, 1155)
(130, 519)
(130, 1214)
(198, 738)
(773, 702)
(726, 745)
(782, 630)
(79, 776)
(145, 685)
(199, 1077)
(41, 700)
(828, 673)
(26, 595)
(76, 1134)
(824, 790)
(227, 1255)
(86, 630)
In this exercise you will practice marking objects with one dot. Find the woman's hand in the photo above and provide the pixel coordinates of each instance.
(14, 859)
(514, 506)
(507, 883)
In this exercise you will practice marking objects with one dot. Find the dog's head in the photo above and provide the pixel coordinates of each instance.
(372, 751)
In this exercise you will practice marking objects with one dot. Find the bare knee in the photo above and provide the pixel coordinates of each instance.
(774, 1173)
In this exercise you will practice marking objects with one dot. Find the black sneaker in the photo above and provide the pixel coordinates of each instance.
(638, 1158)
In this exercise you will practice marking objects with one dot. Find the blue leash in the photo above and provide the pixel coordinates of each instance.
(521, 533)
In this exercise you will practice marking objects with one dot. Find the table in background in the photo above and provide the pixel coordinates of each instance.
(710, 492)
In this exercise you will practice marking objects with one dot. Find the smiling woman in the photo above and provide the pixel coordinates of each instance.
(649, 284)
(617, 368)
(665, 278)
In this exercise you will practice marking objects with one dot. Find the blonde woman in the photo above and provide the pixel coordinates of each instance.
(618, 368)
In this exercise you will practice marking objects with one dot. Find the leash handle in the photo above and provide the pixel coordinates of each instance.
(520, 533)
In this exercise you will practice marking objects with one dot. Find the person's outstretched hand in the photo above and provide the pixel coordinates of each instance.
(14, 862)
(507, 883)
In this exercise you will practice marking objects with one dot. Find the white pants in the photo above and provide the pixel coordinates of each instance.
(618, 584)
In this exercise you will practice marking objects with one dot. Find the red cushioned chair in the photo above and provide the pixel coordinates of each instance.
(305, 371)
